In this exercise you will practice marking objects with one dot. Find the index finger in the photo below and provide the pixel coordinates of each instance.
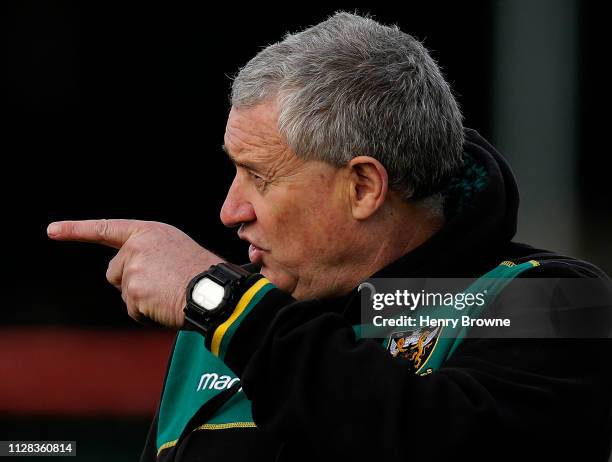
(112, 233)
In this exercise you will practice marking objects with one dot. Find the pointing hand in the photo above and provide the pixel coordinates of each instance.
(152, 268)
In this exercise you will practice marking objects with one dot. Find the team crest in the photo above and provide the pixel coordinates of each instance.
(415, 345)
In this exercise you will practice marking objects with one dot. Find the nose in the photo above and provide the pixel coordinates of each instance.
(236, 208)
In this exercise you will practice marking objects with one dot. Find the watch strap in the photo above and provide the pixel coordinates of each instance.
(222, 331)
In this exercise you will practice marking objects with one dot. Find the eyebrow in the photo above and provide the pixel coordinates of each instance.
(247, 165)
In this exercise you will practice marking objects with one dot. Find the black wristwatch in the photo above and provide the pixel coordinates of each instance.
(213, 295)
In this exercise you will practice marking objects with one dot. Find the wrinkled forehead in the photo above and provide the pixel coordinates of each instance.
(253, 131)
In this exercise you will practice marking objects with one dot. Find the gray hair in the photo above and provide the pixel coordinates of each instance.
(351, 86)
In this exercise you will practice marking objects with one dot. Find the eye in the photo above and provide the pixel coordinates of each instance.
(259, 181)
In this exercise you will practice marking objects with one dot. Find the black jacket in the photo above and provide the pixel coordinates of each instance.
(318, 393)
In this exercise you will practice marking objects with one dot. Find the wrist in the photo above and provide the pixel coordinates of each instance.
(212, 295)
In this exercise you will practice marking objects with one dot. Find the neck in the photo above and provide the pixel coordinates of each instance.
(404, 228)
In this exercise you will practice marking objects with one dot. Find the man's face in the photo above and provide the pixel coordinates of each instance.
(293, 212)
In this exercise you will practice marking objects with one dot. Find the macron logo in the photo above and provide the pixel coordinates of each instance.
(212, 381)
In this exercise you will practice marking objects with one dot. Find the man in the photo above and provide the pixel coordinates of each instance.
(351, 162)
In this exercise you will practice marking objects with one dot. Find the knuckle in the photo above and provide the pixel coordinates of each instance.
(109, 274)
(133, 267)
(136, 244)
(101, 228)
(137, 291)
(113, 274)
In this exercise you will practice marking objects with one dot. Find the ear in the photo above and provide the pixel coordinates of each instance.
(369, 184)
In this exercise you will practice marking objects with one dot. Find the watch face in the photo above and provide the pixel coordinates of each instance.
(207, 293)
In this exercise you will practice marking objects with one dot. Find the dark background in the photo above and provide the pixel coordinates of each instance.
(118, 111)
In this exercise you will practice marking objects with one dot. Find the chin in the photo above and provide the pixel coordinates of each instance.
(280, 279)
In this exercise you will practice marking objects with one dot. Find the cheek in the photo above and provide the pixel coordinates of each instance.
(305, 225)
(319, 227)
(283, 229)
(333, 230)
